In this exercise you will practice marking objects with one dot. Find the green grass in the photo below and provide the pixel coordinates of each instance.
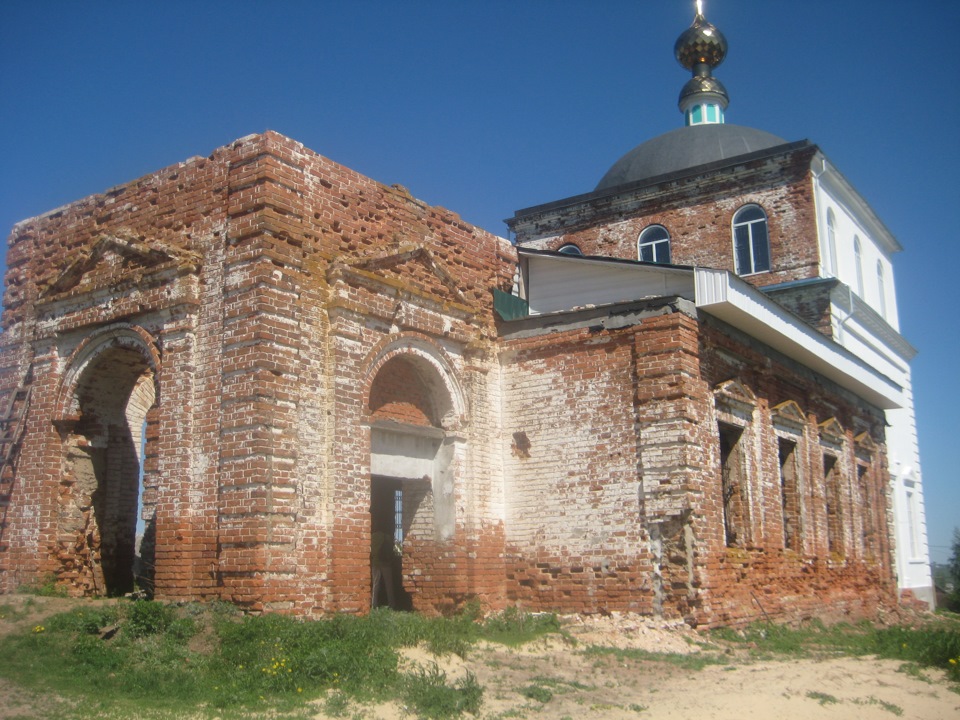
(691, 661)
(429, 693)
(514, 627)
(822, 697)
(147, 660)
(888, 706)
(537, 692)
(44, 587)
(935, 644)
(210, 658)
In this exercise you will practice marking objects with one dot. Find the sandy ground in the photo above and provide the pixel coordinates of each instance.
(582, 686)
(609, 686)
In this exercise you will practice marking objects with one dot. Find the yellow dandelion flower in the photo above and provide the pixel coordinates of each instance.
(299, 689)
(39, 628)
(952, 661)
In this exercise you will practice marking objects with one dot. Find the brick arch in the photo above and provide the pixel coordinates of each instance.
(91, 349)
(106, 399)
(411, 380)
(399, 392)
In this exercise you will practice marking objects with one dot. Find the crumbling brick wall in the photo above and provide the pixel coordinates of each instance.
(256, 284)
(761, 576)
(281, 330)
(616, 433)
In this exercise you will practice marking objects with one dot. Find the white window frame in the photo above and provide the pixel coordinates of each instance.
(751, 240)
(656, 243)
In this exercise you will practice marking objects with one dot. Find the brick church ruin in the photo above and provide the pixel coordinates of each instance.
(262, 377)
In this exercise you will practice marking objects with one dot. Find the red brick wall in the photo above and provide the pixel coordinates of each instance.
(575, 533)
(283, 303)
(614, 434)
(762, 577)
(255, 504)
(698, 213)
(398, 394)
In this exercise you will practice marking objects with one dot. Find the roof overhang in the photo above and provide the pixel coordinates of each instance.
(555, 283)
(739, 304)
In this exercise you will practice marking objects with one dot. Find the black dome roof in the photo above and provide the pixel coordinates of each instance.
(685, 148)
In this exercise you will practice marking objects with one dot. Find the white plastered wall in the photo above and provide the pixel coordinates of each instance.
(912, 558)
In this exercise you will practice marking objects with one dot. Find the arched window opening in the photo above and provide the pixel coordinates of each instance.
(858, 262)
(751, 244)
(570, 249)
(830, 261)
(881, 287)
(654, 245)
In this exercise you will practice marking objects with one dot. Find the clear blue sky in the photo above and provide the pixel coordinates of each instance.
(487, 107)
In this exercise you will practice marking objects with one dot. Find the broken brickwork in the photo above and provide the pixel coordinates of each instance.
(617, 500)
(302, 360)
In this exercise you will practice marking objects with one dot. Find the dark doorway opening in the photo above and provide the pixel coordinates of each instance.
(103, 538)
(386, 545)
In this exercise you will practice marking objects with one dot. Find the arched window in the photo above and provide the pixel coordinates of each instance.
(750, 243)
(858, 261)
(830, 261)
(570, 249)
(654, 245)
(881, 286)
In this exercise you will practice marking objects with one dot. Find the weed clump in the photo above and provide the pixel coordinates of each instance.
(44, 587)
(516, 627)
(148, 617)
(929, 647)
(538, 693)
(428, 692)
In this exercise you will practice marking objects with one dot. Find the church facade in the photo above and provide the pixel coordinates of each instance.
(262, 377)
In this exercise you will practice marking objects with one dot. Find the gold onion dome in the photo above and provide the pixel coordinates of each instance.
(700, 44)
(700, 48)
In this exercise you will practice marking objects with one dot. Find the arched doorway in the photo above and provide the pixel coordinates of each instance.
(106, 532)
(411, 411)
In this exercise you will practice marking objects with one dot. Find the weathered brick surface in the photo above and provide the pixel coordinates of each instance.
(698, 213)
(264, 316)
(623, 450)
